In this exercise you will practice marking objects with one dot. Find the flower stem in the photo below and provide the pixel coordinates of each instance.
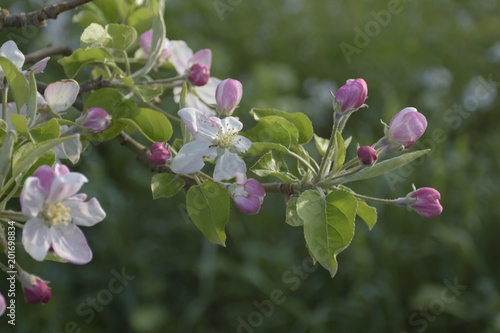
(332, 145)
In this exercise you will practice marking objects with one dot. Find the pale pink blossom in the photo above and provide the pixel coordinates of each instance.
(228, 95)
(247, 195)
(407, 126)
(352, 95)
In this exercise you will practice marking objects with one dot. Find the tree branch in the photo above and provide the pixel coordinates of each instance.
(37, 18)
(48, 51)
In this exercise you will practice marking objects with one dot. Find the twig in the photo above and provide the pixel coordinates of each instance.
(48, 51)
(37, 18)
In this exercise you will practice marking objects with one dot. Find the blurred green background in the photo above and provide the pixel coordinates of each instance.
(408, 274)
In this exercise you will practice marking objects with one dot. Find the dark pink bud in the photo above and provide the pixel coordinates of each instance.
(37, 290)
(248, 197)
(94, 120)
(199, 74)
(352, 95)
(367, 155)
(159, 154)
(228, 95)
(425, 201)
(3, 304)
(407, 126)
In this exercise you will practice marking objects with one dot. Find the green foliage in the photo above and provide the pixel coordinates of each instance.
(164, 185)
(16, 80)
(80, 58)
(208, 207)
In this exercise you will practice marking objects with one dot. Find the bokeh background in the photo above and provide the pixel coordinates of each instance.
(408, 274)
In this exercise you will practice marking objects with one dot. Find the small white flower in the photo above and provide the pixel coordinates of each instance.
(216, 139)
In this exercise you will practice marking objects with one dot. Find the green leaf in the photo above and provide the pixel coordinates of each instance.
(301, 122)
(77, 60)
(258, 148)
(340, 152)
(367, 213)
(208, 207)
(121, 37)
(3, 130)
(93, 36)
(328, 224)
(107, 98)
(273, 164)
(273, 129)
(321, 144)
(6, 155)
(154, 125)
(383, 167)
(20, 124)
(292, 217)
(164, 185)
(141, 19)
(145, 93)
(31, 104)
(17, 81)
(46, 131)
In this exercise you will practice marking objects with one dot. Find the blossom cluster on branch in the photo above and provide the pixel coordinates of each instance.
(210, 161)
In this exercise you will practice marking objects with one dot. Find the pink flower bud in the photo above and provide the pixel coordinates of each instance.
(248, 197)
(407, 126)
(228, 96)
(352, 95)
(36, 290)
(3, 304)
(199, 74)
(94, 120)
(367, 155)
(159, 154)
(425, 201)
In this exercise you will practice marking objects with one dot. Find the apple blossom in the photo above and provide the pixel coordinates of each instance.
(216, 139)
(228, 95)
(407, 126)
(425, 201)
(352, 95)
(10, 51)
(94, 120)
(35, 289)
(247, 194)
(159, 153)
(367, 155)
(54, 210)
(61, 95)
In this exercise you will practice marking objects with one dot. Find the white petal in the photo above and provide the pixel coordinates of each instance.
(241, 143)
(36, 239)
(190, 158)
(207, 92)
(10, 51)
(231, 125)
(195, 102)
(228, 166)
(60, 95)
(181, 53)
(70, 244)
(85, 213)
(65, 186)
(32, 198)
(70, 150)
(201, 126)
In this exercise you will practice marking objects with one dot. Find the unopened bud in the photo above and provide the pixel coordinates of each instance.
(199, 74)
(159, 154)
(352, 95)
(407, 126)
(367, 155)
(94, 120)
(228, 95)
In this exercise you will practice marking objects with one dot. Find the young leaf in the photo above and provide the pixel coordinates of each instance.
(367, 213)
(165, 185)
(20, 124)
(258, 148)
(273, 129)
(208, 207)
(321, 144)
(292, 218)
(74, 63)
(154, 125)
(340, 152)
(93, 36)
(46, 131)
(121, 37)
(299, 120)
(17, 81)
(273, 164)
(328, 224)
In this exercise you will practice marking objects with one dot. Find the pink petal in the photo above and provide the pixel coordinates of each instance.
(85, 213)
(181, 53)
(253, 187)
(248, 205)
(203, 57)
(65, 186)
(40, 66)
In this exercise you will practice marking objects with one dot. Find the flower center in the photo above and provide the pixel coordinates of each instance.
(225, 139)
(56, 213)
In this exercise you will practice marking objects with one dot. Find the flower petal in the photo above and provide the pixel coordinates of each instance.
(241, 143)
(231, 125)
(181, 53)
(32, 197)
(248, 205)
(85, 213)
(40, 66)
(201, 126)
(207, 92)
(36, 239)
(228, 166)
(60, 95)
(65, 186)
(203, 57)
(190, 158)
(10, 51)
(254, 187)
(69, 243)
